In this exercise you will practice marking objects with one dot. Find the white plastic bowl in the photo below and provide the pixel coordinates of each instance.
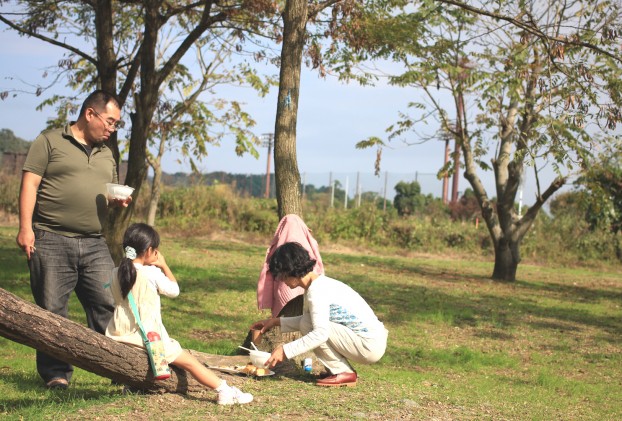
(259, 358)
(118, 191)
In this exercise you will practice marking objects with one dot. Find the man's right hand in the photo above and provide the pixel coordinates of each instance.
(26, 241)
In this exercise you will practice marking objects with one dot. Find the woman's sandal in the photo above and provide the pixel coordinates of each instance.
(57, 383)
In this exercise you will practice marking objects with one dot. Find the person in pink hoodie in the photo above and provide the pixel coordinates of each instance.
(275, 294)
(337, 324)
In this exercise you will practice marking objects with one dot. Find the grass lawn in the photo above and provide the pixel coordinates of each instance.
(548, 346)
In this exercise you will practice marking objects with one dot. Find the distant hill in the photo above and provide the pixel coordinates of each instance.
(11, 143)
(250, 184)
(245, 184)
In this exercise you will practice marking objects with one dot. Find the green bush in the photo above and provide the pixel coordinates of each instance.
(404, 234)
(568, 239)
(454, 239)
(263, 221)
(9, 193)
(200, 209)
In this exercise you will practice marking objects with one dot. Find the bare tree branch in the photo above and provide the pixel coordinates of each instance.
(532, 29)
(49, 40)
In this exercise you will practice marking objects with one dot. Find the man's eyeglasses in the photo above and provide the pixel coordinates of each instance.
(113, 125)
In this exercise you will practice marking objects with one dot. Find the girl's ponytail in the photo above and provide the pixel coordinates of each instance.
(127, 276)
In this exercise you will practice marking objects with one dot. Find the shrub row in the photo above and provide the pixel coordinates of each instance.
(201, 209)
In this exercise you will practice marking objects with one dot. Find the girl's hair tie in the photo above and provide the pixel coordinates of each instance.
(130, 252)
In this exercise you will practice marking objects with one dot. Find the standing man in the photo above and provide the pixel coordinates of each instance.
(62, 207)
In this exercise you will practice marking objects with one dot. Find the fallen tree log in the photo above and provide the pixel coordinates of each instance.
(30, 325)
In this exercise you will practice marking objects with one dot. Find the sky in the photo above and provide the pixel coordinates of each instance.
(333, 117)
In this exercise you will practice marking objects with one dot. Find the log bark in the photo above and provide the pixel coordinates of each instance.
(30, 325)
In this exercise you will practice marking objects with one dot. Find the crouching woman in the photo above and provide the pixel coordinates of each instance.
(337, 324)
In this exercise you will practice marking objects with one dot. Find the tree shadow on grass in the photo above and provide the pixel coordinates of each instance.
(577, 293)
(561, 307)
(252, 250)
(426, 297)
(409, 291)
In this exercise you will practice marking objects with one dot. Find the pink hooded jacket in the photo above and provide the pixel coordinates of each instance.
(273, 294)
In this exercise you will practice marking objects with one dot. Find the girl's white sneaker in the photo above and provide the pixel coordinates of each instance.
(232, 395)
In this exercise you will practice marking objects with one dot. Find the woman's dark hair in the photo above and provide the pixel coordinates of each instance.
(139, 237)
(291, 260)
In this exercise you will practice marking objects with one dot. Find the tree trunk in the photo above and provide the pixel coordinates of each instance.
(107, 59)
(155, 194)
(30, 325)
(152, 75)
(119, 218)
(507, 258)
(285, 161)
(107, 74)
(155, 162)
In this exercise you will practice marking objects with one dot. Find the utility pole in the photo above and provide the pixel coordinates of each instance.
(446, 138)
(520, 193)
(268, 142)
(461, 134)
(457, 149)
